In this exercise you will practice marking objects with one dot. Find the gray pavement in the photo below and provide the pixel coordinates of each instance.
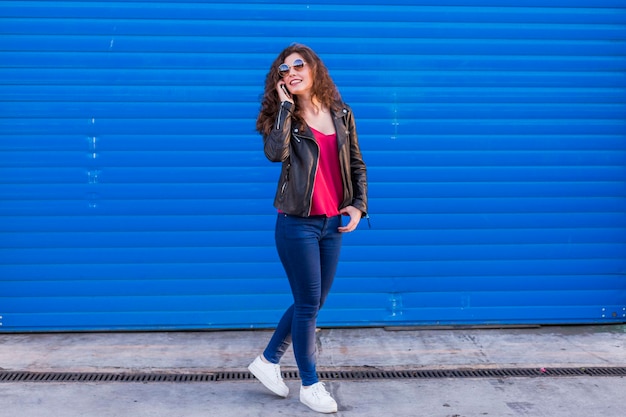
(388, 349)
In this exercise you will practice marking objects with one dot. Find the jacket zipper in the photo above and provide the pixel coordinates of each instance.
(317, 163)
(280, 112)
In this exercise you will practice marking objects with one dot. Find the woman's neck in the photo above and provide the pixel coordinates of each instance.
(311, 106)
(317, 116)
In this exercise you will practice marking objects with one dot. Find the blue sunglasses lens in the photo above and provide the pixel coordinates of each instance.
(283, 69)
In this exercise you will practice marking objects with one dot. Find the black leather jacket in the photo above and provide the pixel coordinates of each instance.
(299, 153)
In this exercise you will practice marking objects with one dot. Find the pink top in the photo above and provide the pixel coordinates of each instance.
(328, 187)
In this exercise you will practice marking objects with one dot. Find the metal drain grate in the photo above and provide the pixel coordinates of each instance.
(337, 375)
(473, 373)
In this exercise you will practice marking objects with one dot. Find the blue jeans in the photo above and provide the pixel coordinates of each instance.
(308, 248)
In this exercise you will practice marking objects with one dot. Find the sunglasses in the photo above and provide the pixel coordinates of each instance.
(283, 69)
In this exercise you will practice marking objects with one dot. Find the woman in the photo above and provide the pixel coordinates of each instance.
(307, 128)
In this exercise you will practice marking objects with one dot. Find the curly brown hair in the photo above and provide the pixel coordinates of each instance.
(323, 89)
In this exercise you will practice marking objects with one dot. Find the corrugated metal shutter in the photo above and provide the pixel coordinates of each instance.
(135, 194)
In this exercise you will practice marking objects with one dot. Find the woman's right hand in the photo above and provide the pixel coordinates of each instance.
(281, 93)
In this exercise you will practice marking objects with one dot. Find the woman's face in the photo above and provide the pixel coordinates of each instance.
(298, 80)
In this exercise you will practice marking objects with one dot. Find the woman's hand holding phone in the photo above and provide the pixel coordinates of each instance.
(283, 92)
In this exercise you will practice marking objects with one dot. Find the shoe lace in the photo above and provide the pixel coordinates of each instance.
(319, 390)
(277, 371)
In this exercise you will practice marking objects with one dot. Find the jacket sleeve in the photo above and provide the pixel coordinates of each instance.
(276, 144)
(358, 169)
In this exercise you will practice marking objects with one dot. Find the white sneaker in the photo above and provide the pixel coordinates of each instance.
(317, 398)
(269, 375)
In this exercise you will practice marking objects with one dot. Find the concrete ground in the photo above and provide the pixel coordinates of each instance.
(200, 352)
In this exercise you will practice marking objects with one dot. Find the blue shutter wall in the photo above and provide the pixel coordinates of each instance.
(134, 193)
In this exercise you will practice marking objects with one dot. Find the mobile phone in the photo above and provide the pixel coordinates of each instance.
(284, 87)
